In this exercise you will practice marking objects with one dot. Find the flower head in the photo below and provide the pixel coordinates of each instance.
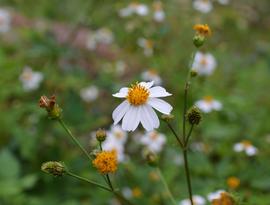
(137, 106)
(204, 64)
(233, 182)
(151, 75)
(5, 20)
(30, 79)
(245, 146)
(154, 141)
(90, 93)
(203, 30)
(203, 6)
(208, 104)
(106, 162)
(198, 200)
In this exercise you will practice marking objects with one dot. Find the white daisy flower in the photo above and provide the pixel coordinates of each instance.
(224, 2)
(154, 141)
(111, 144)
(5, 21)
(197, 200)
(30, 79)
(137, 106)
(151, 75)
(134, 8)
(204, 6)
(204, 63)
(90, 93)
(147, 45)
(214, 195)
(208, 104)
(245, 146)
(159, 14)
(118, 134)
(100, 36)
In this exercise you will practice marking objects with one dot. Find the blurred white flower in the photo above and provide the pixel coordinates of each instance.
(100, 36)
(151, 75)
(5, 21)
(120, 67)
(224, 2)
(245, 146)
(115, 140)
(159, 14)
(90, 93)
(208, 104)
(204, 64)
(116, 133)
(127, 192)
(30, 79)
(214, 195)
(198, 200)
(154, 141)
(147, 45)
(140, 99)
(134, 8)
(203, 6)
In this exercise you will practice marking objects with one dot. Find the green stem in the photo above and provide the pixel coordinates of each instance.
(74, 138)
(89, 181)
(187, 175)
(175, 134)
(166, 186)
(189, 134)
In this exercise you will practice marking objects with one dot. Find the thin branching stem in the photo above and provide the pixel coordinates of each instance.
(166, 186)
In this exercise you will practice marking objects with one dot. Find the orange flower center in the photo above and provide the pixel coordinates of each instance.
(208, 99)
(137, 95)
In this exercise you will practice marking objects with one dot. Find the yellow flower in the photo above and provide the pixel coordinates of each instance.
(233, 182)
(203, 30)
(225, 199)
(106, 162)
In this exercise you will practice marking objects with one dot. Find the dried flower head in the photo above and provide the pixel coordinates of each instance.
(106, 162)
(54, 111)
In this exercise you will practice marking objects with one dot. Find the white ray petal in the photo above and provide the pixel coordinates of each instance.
(122, 93)
(158, 91)
(120, 111)
(160, 105)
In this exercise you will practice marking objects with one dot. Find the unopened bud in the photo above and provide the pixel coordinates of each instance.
(152, 159)
(54, 111)
(193, 73)
(100, 135)
(198, 40)
(194, 115)
(55, 168)
(167, 118)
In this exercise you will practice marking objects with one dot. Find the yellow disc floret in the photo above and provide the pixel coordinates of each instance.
(137, 94)
(202, 29)
(106, 162)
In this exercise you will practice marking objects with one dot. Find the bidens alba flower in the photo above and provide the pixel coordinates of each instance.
(204, 64)
(140, 99)
(208, 104)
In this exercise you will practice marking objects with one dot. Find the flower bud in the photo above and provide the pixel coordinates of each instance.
(193, 73)
(100, 135)
(152, 159)
(167, 118)
(194, 115)
(54, 111)
(52, 167)
(198, 40)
